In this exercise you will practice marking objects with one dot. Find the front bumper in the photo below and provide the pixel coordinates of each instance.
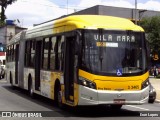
(88, 96)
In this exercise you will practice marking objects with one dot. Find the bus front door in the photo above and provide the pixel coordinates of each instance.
(69, 69)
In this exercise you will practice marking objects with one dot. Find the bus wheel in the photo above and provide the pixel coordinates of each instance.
(59, 97)
(116, 107)
(31, 93)
(11, 82)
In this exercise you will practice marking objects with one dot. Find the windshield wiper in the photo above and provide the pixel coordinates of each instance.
(101, 59)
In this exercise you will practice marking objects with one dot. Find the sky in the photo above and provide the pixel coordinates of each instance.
(30, 12)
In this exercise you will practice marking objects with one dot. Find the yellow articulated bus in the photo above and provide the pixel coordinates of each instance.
(82, 60)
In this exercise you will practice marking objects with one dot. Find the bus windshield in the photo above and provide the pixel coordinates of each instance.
(116, 53)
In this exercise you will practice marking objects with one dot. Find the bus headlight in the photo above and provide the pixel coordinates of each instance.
(87, 83)
(145, 84)
(152, 90)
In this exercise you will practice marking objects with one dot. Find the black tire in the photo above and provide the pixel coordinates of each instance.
(58, 97)
(11, 82)
(151, 101)
(3, 76)
(30, 89)
(116, 107)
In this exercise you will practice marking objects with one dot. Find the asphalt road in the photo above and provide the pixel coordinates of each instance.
(13, 100)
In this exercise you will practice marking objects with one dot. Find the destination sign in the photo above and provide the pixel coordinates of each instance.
(114, 38)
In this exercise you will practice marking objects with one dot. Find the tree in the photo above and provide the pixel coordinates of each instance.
(151, 26)
(4, 4)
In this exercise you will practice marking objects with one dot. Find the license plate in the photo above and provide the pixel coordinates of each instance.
(119, 101)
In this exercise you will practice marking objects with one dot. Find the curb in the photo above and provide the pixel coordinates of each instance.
(158, 101)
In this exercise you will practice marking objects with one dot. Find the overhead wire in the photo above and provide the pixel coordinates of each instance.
(58, 6)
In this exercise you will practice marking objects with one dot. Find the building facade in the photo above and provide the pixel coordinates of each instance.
(6, 33)
(129, 13)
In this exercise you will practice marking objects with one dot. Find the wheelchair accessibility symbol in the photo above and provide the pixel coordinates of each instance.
(119, 72)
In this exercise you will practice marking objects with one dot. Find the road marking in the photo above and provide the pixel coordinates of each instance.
(137, 107)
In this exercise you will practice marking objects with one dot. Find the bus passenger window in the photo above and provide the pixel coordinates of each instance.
(32, 54)
(56, 55)
(61, 52)
(58, 49)
(27, 54)
(45, 53)
(52, 53)
(9, 54)
(25, 60)
(13, 53)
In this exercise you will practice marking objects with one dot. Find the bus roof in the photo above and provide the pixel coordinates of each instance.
(74, 22)
(15, 38)
(97, 21)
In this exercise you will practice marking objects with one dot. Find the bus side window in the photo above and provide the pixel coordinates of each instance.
(7, 54)
(45, 53)
(52, 53)
(56, 54)
(27, 54)
(61, 52)
(32, 54)
(25, 59)
(10, 53)
(58, 50)
(13, 51)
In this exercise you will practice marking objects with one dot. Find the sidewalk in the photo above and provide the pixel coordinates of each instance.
(156, 84)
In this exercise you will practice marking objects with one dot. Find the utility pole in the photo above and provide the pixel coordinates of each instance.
(141, 13)
(136, 12)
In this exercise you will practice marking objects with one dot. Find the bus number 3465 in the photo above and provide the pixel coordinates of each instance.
(133, 87)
